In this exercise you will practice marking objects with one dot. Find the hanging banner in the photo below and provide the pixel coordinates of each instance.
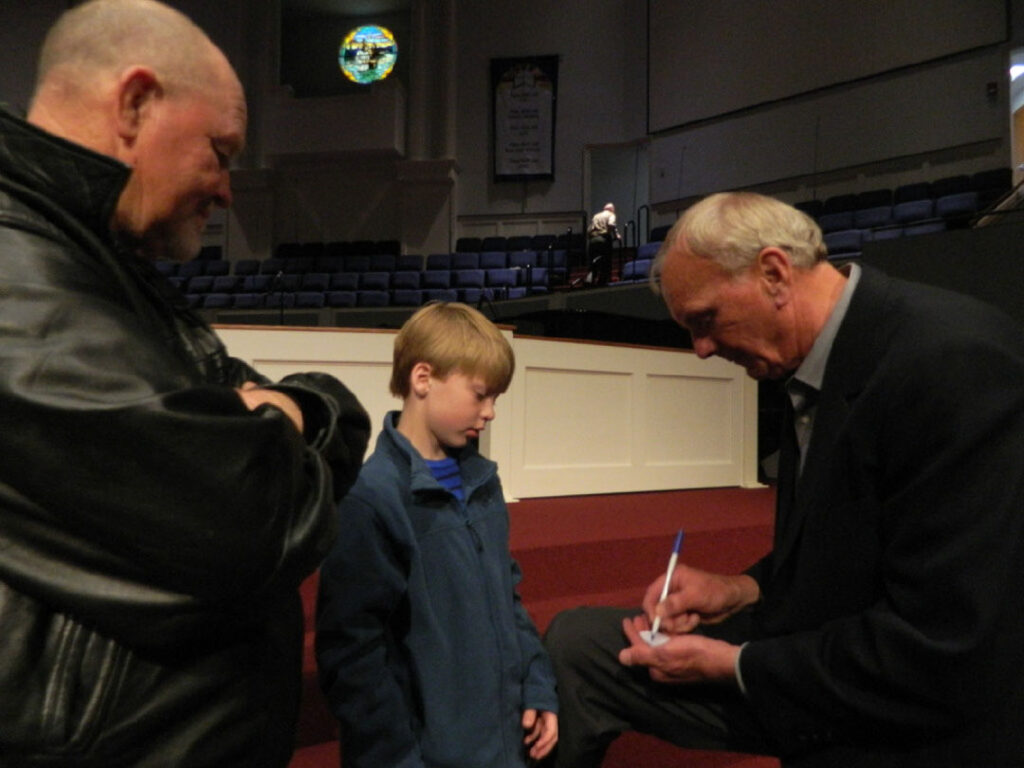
(525, 93)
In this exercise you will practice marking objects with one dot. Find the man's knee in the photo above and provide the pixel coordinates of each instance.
(578, 633)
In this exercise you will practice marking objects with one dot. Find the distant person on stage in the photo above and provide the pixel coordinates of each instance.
(160, 501)
(426, 654)
(601, 235)
(885, 627)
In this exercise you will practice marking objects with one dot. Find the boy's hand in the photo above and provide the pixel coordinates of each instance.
(541, 732)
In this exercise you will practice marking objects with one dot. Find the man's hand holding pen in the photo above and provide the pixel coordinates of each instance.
(694, 597)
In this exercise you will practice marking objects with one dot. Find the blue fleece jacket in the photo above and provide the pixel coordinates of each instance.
(426, 654)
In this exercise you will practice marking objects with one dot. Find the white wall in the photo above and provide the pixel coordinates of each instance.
(601, 46)
(579, 418)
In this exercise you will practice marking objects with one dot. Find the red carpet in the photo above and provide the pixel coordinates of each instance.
(599, 550)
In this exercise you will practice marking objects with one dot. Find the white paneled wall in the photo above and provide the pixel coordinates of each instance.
(579, 418)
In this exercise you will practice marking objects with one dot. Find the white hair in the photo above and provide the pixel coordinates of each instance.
(732, 228)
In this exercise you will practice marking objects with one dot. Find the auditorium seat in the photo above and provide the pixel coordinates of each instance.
(372, 299)
(950, 185)
(382, 262)
(919, 190)
(913, 210)
(467, 278)
(362, 247)
(329, 262)
(648, 250)
(471, 295)
(465, 260)
(924, 228)
(846, 241)
(534, 279)
(883, 233)
(494, 243)
(635, 271)
(440, 294)
(255, 284)
(341, 298)
(245, 267)
(406, 297)
(836, 221)
(217, 301)
(659, 233)
(406, 280)
(957, 208)
(190, 269)
(344, 281)
(501, 279)
(541, 243)
(874, 198)
(408, 262)
(522, 259)
(436, 279)
(315, 281)
(225, 284)
(517, 243)
(374, 281)
(839, 204)
(388, 247)
(216, 267)
(870, 218)
(493, 260)
(310, 299)
(278, 298)
(441, 261)
(199, 284)
(271, 266)
(247, 300)
(471, 244)
(297, 265)
(357, 262)
(557, 262)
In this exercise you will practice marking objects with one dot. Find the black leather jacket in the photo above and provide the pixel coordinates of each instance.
(153, 531)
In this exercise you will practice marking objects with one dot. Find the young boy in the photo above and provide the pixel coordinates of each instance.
(426, 654)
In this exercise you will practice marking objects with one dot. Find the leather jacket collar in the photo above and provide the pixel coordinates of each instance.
(84, 183)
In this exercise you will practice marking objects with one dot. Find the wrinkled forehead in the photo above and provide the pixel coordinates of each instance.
(688, 279)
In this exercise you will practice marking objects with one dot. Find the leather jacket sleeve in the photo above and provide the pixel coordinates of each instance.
(133, 486)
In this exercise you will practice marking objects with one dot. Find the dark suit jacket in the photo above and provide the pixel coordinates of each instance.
(891, 629)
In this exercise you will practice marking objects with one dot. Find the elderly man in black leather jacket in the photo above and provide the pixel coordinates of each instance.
(160, 502)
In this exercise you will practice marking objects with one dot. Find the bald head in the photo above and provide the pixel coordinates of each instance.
(98, 40)
(139, 82)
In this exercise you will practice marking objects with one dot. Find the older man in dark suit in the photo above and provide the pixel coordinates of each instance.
(885, 628)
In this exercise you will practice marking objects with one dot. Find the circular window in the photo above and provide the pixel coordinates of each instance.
(368, 54)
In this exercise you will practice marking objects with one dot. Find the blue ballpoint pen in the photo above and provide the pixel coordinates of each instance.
(668, 578)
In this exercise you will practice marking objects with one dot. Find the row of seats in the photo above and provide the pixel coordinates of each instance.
(554, 260)
(953, 199)
(638, 269)
(531, 278)
(347, 299)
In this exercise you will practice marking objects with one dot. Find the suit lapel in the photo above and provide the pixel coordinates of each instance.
(851, 363)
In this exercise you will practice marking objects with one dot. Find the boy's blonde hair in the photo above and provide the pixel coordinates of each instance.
(450, 336)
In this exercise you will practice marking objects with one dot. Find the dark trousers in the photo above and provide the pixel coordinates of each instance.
(600, 252)
(599, 698)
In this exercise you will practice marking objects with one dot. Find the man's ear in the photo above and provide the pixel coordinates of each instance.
(419, 379)
(138, 89)
(775, 271)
